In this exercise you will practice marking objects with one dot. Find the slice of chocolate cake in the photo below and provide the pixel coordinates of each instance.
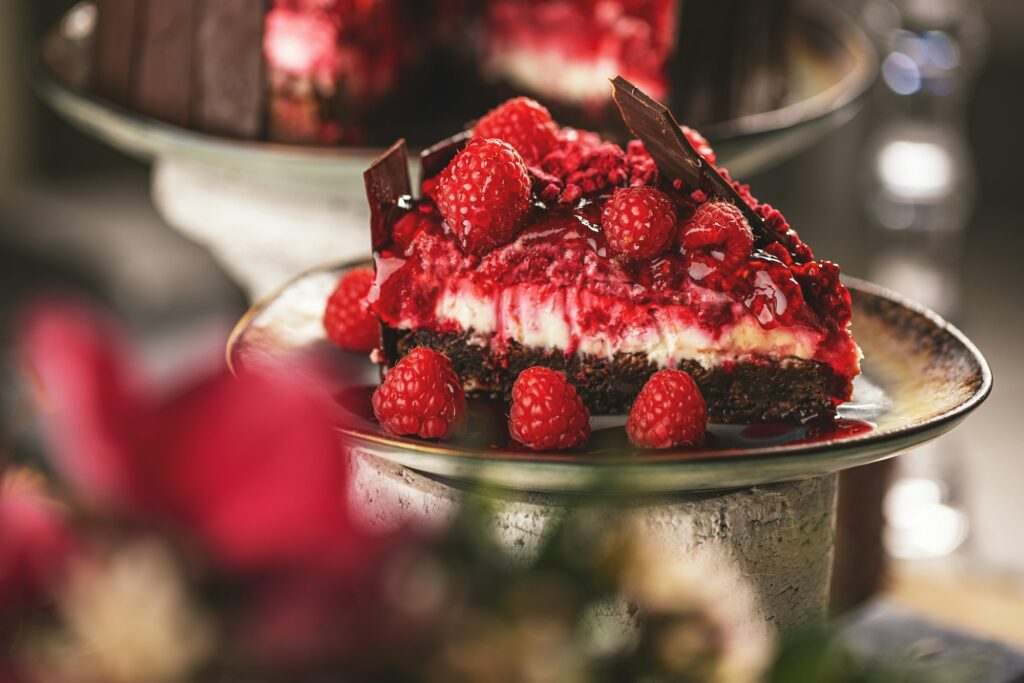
(608, 264)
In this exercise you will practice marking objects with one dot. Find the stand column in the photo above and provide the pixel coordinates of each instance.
(774, 541)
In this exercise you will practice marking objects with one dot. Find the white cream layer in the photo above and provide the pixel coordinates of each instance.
(579, 80)
(531, 315)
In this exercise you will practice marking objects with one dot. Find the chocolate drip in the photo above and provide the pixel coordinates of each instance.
(676, 158)
(387, 181)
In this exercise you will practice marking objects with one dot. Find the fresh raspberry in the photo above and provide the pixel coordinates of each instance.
(547, 413)
(638, 222)
(421, 395)
(484, 194)
(523, 123)
(669, 411)
(347, 319)
(721, 229)
(699, 143)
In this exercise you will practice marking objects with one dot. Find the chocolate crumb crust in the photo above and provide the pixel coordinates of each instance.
(793, 390)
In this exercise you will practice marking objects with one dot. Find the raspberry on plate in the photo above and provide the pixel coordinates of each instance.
(347, 319)
(669, 411)
(547, 413)
(421, 395)
(484, 194)
(523, 123)
(638, 222)
(720, 229)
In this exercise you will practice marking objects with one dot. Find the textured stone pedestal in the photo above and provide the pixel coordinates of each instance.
(773, 541)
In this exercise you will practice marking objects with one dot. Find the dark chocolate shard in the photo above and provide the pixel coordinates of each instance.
(114, 56)
(436, 158)
(676, 158)
(230, 85)
(387, 181)
(163, 78)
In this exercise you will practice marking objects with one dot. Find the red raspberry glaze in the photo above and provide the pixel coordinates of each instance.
(668, 412)
(347, 319)
(421, 395)
(546, 412)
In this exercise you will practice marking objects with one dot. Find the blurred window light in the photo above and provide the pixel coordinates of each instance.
(78, 24)
(915, 170)
(920, 525)
(942, 51)
(912, 45)
(914, 273)
(901, 74)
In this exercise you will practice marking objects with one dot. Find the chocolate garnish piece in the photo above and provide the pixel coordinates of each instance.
(163, 77)
(387, 181)
(230, 93)
(114, 48)
(436, 158)
(676, 158)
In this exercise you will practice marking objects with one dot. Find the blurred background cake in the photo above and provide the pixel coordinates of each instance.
(359, 71)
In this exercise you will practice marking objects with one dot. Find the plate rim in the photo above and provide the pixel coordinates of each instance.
(167, 137)
(883, 444)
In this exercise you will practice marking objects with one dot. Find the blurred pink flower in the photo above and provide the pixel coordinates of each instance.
(35, 542)
(248, 469)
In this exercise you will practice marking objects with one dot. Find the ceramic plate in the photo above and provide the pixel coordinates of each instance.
(833, 66)
(921, 376)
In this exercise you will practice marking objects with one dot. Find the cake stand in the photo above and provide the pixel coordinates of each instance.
(757, 502)
(268, 211)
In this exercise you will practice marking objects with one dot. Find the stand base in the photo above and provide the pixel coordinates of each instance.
(777, 540)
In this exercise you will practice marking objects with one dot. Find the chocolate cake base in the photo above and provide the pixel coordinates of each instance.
(793, 390)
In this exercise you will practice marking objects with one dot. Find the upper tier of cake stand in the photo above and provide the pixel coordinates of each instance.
(921, 377)
(834, 66)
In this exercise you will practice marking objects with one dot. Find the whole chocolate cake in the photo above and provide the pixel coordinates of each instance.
(360, 71)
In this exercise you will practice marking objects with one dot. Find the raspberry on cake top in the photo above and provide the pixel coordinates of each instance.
(543, 245)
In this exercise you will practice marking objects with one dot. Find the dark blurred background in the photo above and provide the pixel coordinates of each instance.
(918, 192)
